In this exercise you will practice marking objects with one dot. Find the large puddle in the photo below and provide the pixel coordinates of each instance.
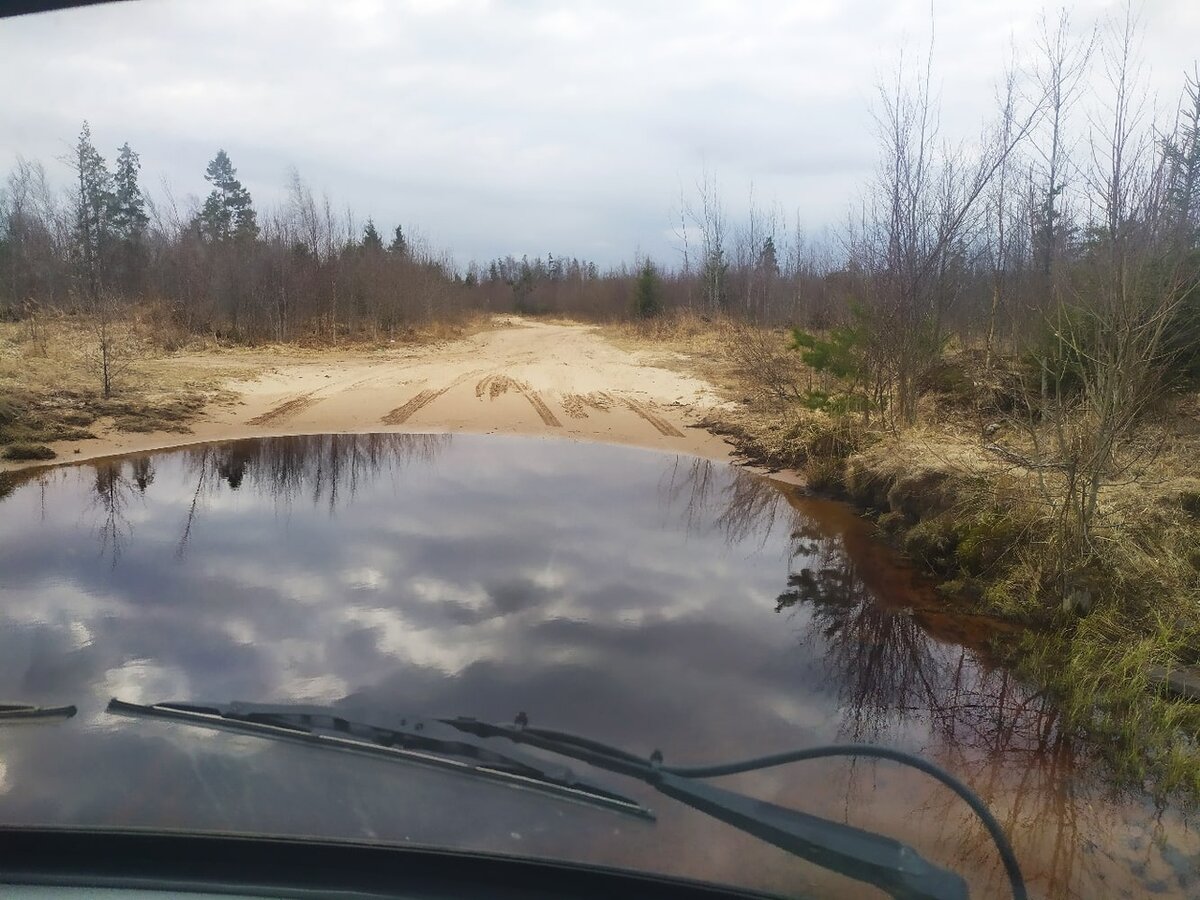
(646, 600)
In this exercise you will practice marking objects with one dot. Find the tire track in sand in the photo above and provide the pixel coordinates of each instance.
(665, 428)
(496, 385)
(296, 405)
(402, 414)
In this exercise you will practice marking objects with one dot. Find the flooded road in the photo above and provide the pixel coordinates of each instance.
(643, 599)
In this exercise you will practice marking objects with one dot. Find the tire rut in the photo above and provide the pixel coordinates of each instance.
(497, 385)
(285, 410)
(402, 414)
(296, 405)
(665, 428)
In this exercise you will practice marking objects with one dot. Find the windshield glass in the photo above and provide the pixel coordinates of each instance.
(646, 600)
(704, 381)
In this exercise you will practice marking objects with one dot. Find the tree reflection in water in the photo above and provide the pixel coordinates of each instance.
(909, 671)
(113, 491)
(329, 469)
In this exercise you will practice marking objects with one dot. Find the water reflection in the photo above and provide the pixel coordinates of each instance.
(879, 642)
(647, 600)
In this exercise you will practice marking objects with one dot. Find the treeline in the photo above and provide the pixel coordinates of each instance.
(1068, 207)
(224, 267)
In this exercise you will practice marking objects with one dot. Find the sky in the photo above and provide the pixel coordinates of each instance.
(492, 128)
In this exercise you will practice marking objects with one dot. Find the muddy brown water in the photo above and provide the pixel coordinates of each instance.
(647, 600)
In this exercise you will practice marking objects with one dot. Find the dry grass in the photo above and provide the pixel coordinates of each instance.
(50, 386)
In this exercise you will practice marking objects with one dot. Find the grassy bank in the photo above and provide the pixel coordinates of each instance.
(988, 527)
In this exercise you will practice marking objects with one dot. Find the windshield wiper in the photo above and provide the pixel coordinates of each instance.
(429, 742)
(22, 712)
(888, 864)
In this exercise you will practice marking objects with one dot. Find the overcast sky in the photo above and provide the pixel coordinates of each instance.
(519, 127)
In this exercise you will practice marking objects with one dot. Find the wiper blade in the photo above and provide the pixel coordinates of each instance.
(22, 712)
(881, 861)
(489, 750)
(428, 742)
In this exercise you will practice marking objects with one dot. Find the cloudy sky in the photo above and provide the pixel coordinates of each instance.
(519, 127)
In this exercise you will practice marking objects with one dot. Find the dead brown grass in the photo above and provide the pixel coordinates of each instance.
(50, 388)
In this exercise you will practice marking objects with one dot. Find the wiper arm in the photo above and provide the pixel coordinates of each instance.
(22, 712)
(878, 860)
(489, 749)
(429, 742)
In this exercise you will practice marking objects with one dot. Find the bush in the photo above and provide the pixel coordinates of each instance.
(28, 451)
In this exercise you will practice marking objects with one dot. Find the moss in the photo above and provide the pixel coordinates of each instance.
(143, 424)
(28, 451)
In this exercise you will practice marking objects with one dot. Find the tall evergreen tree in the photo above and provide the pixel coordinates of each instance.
(768, 259)
(93, 205)
(228, 212)
(399, 245)
(371, 241)
(128, 217)
(128, 205)
(647, 292)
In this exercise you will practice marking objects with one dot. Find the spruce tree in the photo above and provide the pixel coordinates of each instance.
(647, 292)
(768, 260)
(128, 205)
(399, 245)
(93, 205)
(371, 241)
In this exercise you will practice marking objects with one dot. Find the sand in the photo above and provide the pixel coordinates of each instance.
(516, 377)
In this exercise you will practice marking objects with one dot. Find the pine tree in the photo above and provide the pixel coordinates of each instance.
(399, 245)
(371, 241)
(93, 204)
(128, 210)
(228, 213)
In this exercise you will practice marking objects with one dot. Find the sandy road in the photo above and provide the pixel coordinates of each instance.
(518, 377)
